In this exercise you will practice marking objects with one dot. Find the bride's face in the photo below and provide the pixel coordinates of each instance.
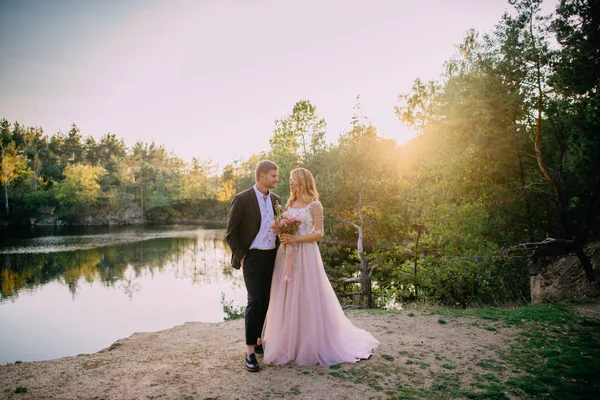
(293, 186)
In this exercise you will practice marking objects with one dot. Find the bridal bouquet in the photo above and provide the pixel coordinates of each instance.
(285, 223)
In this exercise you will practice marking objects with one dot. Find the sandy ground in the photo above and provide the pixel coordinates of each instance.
(205, 361)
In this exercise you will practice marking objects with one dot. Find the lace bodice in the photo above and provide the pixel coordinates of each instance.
(308, 225)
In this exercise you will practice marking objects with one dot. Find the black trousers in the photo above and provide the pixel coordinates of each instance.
(258, 272)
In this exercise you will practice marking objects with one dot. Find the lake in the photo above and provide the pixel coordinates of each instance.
(65, 291)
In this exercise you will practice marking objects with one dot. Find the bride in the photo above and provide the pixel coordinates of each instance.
(305, 323)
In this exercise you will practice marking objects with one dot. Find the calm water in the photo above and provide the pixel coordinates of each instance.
(68, 291)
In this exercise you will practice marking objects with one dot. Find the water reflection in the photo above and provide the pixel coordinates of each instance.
(108, 285)
(115, 260)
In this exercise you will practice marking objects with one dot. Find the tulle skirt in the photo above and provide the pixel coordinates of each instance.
(305, 323)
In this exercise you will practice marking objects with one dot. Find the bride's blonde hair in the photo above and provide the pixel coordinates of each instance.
(306, 187)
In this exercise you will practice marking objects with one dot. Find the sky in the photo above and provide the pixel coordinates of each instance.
(208, 78)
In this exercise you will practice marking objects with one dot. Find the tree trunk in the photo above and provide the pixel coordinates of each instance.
(366, 275)
(364, 265)
(538, 134)
(558, 197)
(416, 263)
(37, 165)
(586, 263)
(142, 202)
(365, 279)
(528, 213)
(6, 197)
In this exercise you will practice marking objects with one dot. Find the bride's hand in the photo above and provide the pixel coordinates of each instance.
(287, 238)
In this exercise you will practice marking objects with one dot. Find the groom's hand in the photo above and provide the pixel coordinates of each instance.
(242, 261)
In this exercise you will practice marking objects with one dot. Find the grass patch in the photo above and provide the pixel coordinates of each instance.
(554, 354)
(557, 351)
(21, 389)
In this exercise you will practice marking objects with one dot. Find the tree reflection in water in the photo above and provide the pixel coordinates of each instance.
(200, 256)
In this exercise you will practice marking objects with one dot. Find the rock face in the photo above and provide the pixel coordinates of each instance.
(564, 278)
(131, 215)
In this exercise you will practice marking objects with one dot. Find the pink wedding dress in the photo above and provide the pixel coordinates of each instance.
(305, 323)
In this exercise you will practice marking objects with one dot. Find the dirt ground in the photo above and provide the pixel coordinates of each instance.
(205, 361)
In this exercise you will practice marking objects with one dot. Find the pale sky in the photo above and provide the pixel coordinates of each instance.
(208, 78)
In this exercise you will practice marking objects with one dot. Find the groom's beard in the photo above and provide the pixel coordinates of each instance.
(272, 185)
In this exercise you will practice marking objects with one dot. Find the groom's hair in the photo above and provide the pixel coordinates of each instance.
(263, 167)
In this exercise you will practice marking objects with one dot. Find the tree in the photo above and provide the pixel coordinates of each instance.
(73, 146)
(195, 184)
(13, 165)
(298, 138)
(566, 143)
(358, 178)
(108, 150)
(81, 186)
(418, 108)
(575, 115)
(301, 134)
(229, 182)
(5, 134)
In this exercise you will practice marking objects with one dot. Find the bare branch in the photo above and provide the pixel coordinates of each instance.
(343, 280)
(531, 186)
(371, 271)
(548, 246)
(359, 208)
(350, 294)
(347, 221)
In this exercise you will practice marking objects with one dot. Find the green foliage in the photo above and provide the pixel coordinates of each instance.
(80, 185)
(83, 178)
(231, 312)
(298, 140)
(12, 167)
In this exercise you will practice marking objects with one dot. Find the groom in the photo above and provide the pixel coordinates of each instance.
(253, 245)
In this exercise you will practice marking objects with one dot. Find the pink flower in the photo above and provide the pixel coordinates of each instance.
(285, 223)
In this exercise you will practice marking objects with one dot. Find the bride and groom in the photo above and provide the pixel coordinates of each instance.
(294, 313)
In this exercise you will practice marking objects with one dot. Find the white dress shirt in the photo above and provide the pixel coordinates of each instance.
(265, 239)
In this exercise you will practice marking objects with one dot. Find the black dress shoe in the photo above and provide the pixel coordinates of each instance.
(252, 363)
(258, 349)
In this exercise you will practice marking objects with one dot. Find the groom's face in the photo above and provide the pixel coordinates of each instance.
(270, 179)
